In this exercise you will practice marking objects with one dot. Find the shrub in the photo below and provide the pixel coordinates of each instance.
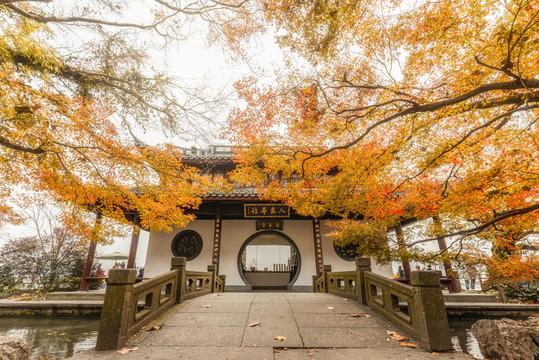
(523, 290)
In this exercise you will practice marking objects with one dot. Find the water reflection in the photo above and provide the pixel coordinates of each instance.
(52, 338)
(462, 338)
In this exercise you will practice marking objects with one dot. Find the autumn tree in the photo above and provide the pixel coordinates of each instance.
(402, 112)
(51, 258)
(74, 77)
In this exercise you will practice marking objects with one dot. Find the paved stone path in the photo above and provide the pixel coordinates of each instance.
(316, 326)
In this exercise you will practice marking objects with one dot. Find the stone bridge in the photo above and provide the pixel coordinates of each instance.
(250, 326)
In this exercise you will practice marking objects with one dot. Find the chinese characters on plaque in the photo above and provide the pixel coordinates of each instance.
(269, 225)
(266, 211)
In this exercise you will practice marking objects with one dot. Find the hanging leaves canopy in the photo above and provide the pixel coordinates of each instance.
(404, 111)
(74, 80)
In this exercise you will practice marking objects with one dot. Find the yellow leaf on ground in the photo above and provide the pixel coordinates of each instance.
(126, 350)
(355, 315)
(205, 306)
(412, 345)
(254, 323)
(155, 327)
(396, 336)
(367, 315)
(280, 338)
(331, 308)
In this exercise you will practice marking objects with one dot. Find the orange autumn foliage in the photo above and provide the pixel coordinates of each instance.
(399, 113)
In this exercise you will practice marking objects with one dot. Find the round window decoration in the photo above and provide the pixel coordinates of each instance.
(188, 243)
(347, 252)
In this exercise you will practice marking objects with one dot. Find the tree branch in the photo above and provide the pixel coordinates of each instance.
(74, 19)
(8, 144)
(476, 230)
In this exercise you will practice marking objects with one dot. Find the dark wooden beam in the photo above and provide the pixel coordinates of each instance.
(85, 284)
(134, 244)
(400, 240)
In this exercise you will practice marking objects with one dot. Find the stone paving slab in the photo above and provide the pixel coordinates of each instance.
(216, 306)
(264, 335)
(340, 320)
(230, 297)
(282, 307)
(324, 308)
(207, 319)
(306, 298)
(268, 297)
(183, 353)
(362, 354)
(195, 336)
(345, 337)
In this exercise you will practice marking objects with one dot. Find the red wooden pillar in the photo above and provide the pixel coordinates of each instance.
(217, 242)
(85, 284)
(400, 240)
(318, 255)
(134, 243)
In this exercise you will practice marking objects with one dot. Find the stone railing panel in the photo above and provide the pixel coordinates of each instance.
(220, 283)
(128, 306)
(197, 283)
(392, 299)
(418, 308)
(150, 299)
(342, 283)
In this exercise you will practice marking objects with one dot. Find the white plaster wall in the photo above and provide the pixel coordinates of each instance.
(338, 264)
(159, 249)
(236, 232)
(233, 234)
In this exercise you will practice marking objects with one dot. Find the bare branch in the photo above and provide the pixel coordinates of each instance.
(75, 19)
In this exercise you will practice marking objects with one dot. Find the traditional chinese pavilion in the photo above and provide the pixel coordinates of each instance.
(256, 244)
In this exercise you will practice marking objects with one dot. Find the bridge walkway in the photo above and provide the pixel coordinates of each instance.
(224, 326)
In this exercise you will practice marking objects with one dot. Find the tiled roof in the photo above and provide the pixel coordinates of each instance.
(208, 157)
(234, 193)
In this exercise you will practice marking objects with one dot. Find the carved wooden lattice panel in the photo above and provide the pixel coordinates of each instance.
(188, 243)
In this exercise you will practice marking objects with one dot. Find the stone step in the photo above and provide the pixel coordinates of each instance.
(470, 298)
(77, 295)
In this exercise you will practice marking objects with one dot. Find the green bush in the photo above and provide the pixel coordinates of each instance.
(523, 290)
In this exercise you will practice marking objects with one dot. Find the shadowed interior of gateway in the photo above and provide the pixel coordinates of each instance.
(269, 261)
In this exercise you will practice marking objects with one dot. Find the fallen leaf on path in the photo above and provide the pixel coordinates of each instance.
(408, 344)
(205, 306)
(396, 336)
(126, 350)
(435, 354)
(355, 315)
(331, 308)
(346, 299)
(155, 327)
(367, 315)
(254, 323)
(388, 339)
(280, 338)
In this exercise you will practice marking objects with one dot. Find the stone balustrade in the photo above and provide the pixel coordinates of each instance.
(128, 307)
(418, 308)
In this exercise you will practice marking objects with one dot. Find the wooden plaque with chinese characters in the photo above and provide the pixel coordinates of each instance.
(269, 225)
(261, 211)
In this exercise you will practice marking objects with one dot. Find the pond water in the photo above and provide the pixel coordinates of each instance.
(52, 338)
(462, 338)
